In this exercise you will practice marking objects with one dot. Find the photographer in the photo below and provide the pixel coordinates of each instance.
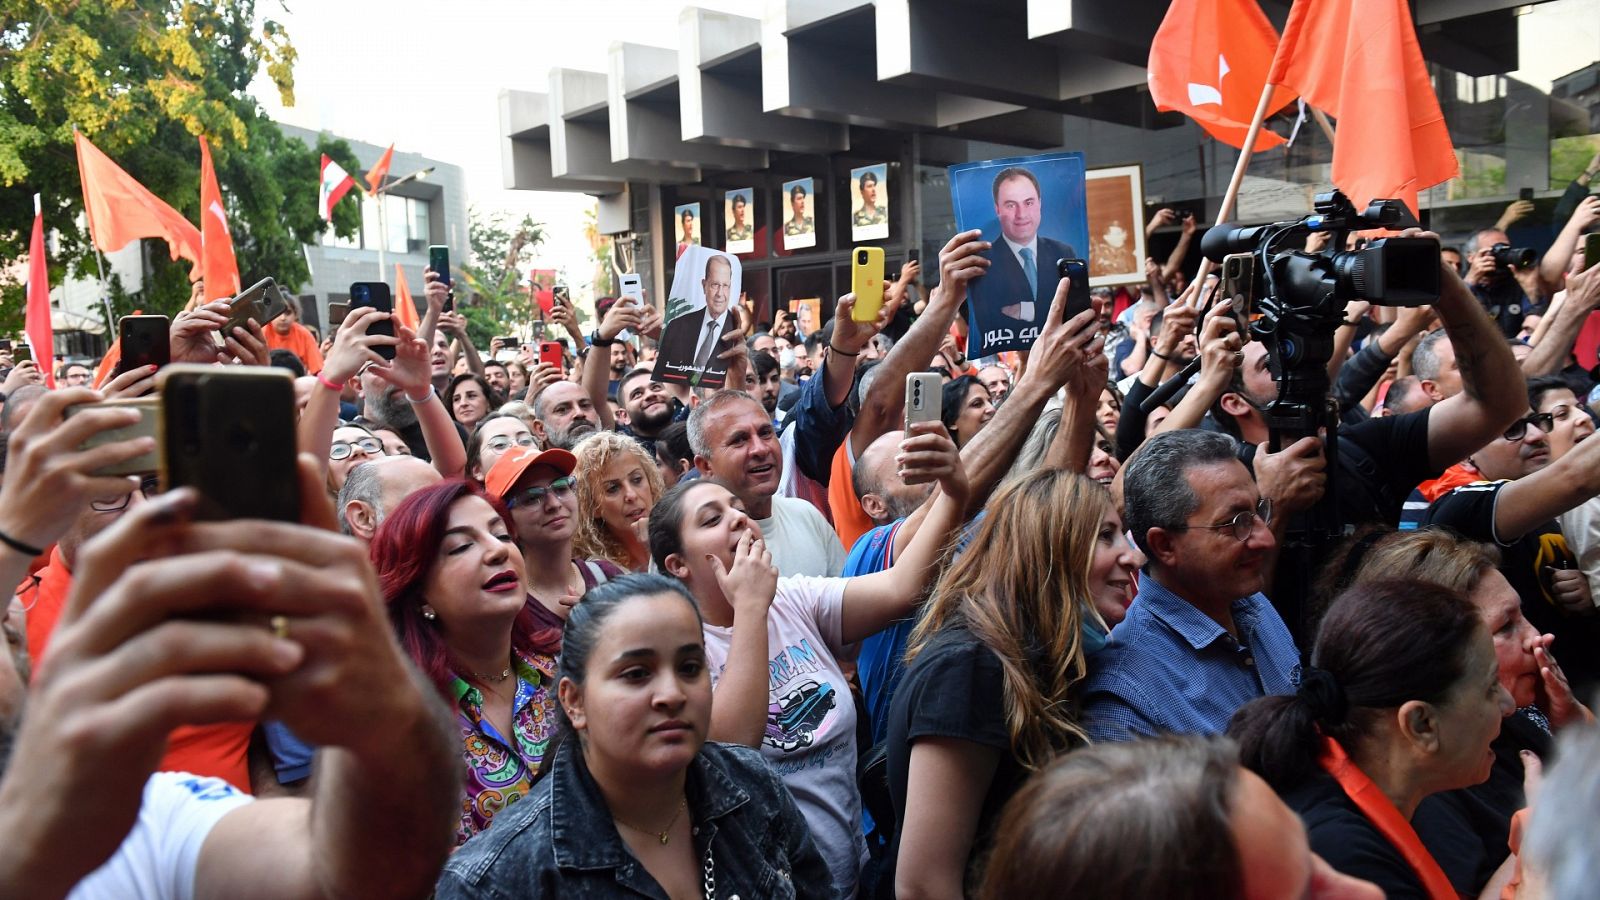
(1495, 272)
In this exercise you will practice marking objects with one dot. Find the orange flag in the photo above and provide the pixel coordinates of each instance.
(36, 317)
(1392, 139)
(217, 266)
(1209, 61)
(380, 169)
(405, 309)
(120, 209)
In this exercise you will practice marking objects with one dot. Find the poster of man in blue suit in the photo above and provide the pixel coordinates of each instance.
(1032, 211)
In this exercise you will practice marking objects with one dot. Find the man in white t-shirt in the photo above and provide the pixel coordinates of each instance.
(735, 443)
(229, 621)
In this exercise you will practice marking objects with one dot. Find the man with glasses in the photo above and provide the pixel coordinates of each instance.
(1200, 639)
(1521, 491)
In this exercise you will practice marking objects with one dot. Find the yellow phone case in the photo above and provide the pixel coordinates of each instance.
(866, 282)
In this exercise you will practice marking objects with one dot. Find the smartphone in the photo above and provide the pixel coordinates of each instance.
(5, 345)
(1078, 292)
(337, 312)
(560, 294)
(21, 353)
(375, 294)
(439, 262)
(1525, 194)
(144, 341)
(551, 353)
(149, 425)
(261, 302)
(1239, 283)
(924, 397)
(1591, 249)
(539, 330)
(866, 282)
(632, 293)
(914, 255)
(229, 432)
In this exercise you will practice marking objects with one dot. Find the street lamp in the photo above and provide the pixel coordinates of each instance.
(383, 224)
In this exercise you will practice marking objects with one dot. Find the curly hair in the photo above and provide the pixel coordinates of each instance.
(595, 539)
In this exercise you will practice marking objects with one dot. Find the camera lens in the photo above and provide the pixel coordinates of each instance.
(862, 257)
(360, 292)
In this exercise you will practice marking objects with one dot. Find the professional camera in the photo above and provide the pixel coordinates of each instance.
(1509, 257)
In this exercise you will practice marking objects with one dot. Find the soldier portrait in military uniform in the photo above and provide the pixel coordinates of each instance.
(739, 213)
(688, 217)
(799, 226)
(1115, 200)
(869, 196)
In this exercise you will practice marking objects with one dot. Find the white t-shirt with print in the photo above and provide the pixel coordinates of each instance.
(810, 740)
(158, 857)
(801, 540)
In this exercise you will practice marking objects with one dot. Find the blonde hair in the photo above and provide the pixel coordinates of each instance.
(1023, 590)
(594, 539)
(1431, 555)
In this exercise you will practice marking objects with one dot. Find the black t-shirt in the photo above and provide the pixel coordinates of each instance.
(953, 689)
(1467, 830)
(1469, 511)
(1341, 834)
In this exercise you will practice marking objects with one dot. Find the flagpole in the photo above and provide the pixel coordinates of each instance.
(1322, 119)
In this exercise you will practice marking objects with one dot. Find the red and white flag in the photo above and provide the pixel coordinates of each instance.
(36, 319)
(336, 182)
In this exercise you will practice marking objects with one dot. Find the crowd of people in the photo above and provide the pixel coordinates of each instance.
(573, 631)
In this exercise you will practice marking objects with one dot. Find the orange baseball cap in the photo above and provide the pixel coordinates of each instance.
(505, 473)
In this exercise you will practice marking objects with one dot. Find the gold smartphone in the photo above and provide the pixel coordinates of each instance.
(261, 302)
(1238, 284)
(149, 425)
(229, 431)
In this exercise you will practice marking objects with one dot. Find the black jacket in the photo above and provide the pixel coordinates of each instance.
(559, 841)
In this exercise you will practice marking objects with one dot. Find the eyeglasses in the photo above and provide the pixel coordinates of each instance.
(1244, 523)
(1519, 428)
(149, 486)
(370, 446)
(502, 443)
(535, 495)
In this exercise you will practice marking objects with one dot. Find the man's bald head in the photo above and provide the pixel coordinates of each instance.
(373, 489)
(883, 493)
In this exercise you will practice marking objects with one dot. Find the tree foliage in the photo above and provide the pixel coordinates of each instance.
(500, 302)
(143, 80)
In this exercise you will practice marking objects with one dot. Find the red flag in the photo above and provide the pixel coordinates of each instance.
(120, 209)
(1209, 60)
(405, 308)
(379, 169)
(336, 182)
(1392, 139)
(218, 267)
(543, 283)
(36, 319)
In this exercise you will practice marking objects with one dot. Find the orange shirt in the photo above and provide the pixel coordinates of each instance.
(299, 342)
(849, 519)
(218, 750)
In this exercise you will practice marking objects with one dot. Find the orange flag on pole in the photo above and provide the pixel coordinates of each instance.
(120, 209)
(379, 169)
(36, 318)
(1366, 70)
(218, 266)
(1209, 60)
(405, 309)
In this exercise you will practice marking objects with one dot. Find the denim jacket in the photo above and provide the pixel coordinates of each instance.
(559, 841)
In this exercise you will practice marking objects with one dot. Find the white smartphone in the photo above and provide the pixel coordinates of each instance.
(633, 295)
(924, 397)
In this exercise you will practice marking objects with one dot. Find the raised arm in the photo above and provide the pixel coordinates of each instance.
(1075, 437)
(1533, 500)
(597, 379)
(455, 325)
(844, 349)
(411, 371)
(1554, 263)
(1180, 252)
(1493, 392)
(884, 405)
(352, 349)
(1220, 356)
(1554, 346)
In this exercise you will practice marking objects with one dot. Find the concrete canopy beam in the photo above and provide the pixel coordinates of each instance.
(645, 121)
(525, 148)
(1116, 31)
(580, 135)
(719, 90)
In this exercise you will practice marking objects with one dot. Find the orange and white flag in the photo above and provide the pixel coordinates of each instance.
(1209, 60)
(218, 267)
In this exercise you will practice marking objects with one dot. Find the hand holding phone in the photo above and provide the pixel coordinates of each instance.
(551, 354)
(261, 303)
(924, 397)
(866, 282)
(1078, 292)
(375, 295)
(148, 426)
(144, 341)
(229, 431)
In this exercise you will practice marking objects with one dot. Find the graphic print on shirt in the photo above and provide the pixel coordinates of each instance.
(800, 704)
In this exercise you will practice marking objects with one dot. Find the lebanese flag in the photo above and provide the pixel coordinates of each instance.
(1209, 60)
(218, 268)
(336, 182)
(405, 308)
(1367, 71)
(379, 169)
(120, 209)
(36, 319)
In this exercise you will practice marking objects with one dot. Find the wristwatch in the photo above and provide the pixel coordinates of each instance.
(598, 341)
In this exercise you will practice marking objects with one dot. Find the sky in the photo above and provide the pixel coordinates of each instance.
(427, 77)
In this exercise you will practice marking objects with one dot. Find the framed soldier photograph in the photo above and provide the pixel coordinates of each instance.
(1115, 199)
(869, 202)
(739, 212)
(799, 218)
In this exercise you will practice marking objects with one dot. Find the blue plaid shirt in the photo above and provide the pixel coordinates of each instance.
(1171, 668)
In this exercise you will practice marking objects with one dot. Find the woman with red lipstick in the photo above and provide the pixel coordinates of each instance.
(636, 801)
(618, 484)
(1401, 701)
(458, 599)
(541, 492)
(992, 668)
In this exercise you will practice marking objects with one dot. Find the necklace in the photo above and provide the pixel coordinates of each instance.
(492, 679)
(664, 834)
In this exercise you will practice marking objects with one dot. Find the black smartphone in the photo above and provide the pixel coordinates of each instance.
(144, 341)
(375, 294)
(1525, 194)
(21, 353)
(439, 261)
(1591, 249)
(5, 345)
(1078, 292)
(229, 432)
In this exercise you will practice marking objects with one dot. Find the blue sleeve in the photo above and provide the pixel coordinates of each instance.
(291, 757)
(819, 429)
(1110, 717)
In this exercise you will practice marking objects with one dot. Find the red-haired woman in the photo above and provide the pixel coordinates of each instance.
(457, 591)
